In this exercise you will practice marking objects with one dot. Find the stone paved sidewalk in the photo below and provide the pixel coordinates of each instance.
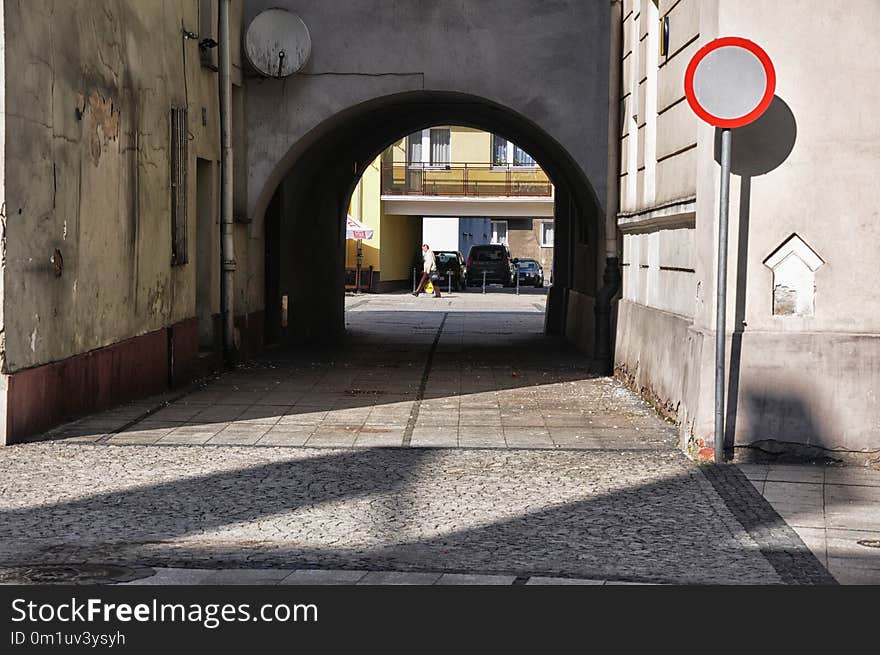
(834, 509)
(454, 378)
(175, 576)
(445, 437)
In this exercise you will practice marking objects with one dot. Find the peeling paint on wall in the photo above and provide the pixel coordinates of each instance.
(785, 300)
(104, 124)
(80, 106)
(158, 300)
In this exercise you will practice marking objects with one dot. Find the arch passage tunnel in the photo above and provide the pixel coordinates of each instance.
(305, 218)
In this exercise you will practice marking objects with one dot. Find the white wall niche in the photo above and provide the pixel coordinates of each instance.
(794, 265)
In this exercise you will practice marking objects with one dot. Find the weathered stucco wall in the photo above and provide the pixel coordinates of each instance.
(87, 190)
(547, 62)
(653, 354)
(807, 167)
(88, 172)
(658, 177)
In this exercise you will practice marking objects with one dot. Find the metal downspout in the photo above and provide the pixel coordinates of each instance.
(603, 349)
(613, 181)
(227, 242)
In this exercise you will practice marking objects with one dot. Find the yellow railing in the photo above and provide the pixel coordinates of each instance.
(464, 180)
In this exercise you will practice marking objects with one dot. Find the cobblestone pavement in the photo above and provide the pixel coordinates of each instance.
(510, 459)
(646, 515)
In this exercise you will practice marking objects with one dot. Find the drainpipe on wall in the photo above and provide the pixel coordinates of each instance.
(611, 278)
(227, 242)
(613, 182)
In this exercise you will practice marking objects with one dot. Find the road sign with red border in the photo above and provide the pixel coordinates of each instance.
(730, 82)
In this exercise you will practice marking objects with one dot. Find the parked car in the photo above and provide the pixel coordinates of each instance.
(493, 260)
(530, 272)
(450, 265)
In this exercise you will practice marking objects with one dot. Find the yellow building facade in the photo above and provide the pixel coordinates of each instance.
(454, 172)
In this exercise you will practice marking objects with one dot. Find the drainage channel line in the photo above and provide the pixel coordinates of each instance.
(414, 414)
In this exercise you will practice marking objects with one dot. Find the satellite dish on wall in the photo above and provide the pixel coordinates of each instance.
(277, 43)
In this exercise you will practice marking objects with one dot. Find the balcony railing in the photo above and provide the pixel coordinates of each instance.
(464, 180)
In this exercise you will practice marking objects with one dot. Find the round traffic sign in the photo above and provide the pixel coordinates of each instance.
(730, 82)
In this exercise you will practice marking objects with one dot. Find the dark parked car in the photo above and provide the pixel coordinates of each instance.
(493, 260)
(450, 265)
(530, 272)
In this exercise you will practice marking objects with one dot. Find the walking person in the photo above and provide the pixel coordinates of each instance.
(429, 270)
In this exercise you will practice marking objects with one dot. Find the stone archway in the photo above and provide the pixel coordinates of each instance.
(303, 228)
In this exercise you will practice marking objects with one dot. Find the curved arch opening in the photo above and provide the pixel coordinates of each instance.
(307, 198)
(454, 188)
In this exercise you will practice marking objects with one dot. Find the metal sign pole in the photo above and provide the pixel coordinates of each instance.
(729, 83)
(721, 296)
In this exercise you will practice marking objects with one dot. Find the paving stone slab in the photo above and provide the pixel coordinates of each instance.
(246, 577)
(175, 576)
(399, 578)
(284, 438)
(852, 475)
(795, 473)
(475, 579)
(562, 581)
(323, 577)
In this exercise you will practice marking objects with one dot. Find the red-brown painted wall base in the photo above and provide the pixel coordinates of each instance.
(183, 351)
(42, 397)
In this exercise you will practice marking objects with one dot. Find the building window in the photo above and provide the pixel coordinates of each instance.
(499, 150)
(431, 147)
(440, 150)
(521, 157)
(507, 153)
(499, 232)
(414, 148)
(179, 139)
(547, 235)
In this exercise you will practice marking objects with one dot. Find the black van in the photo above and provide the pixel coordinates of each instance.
(493, 260)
